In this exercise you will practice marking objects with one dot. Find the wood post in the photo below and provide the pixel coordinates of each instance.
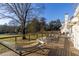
(29, 37)
(15, 40)
(36, 35)
(42, 34)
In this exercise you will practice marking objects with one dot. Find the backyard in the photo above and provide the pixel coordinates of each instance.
(29, 32)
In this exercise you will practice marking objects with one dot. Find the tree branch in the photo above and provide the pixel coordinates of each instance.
(5, 16)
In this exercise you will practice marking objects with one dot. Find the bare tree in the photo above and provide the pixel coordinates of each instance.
(19, 12)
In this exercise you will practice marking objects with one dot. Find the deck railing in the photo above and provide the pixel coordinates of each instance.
(66, 44)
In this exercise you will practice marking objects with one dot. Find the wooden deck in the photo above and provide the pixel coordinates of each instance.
(58, 46)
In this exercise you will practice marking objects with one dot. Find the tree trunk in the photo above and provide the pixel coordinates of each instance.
(23, 30)
(23, 33)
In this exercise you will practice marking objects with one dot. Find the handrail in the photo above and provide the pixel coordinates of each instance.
(10, 37)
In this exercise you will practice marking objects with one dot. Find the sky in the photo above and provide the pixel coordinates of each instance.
(53, 11)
